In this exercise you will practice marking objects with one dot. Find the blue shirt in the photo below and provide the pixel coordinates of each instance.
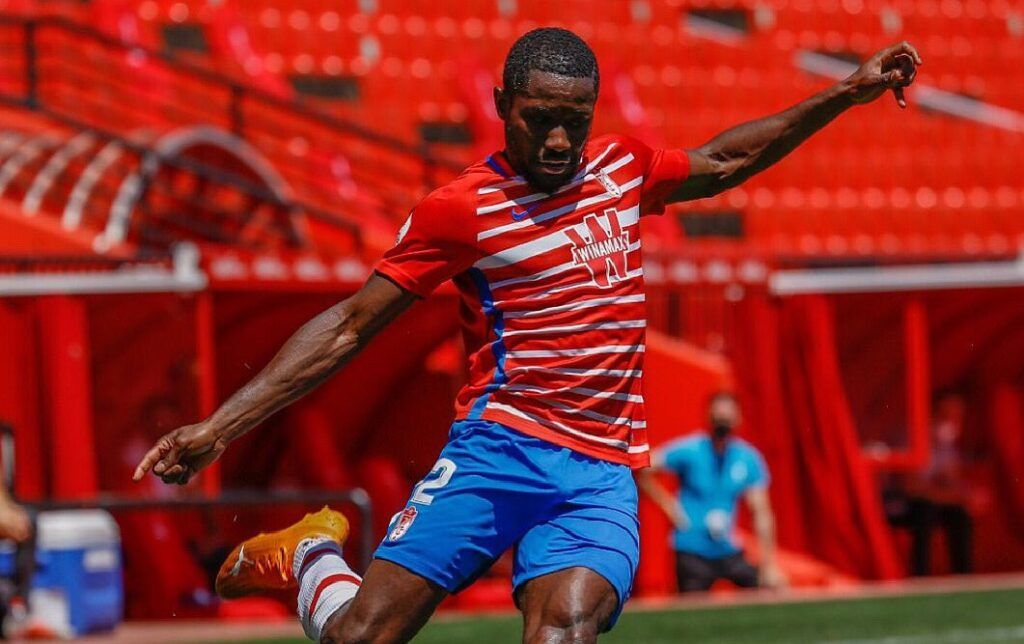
(710, 484)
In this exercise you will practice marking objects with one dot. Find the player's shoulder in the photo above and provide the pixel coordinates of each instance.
(748, 448)
(453, 201)
(692, 442)
(459, 197)
(622, 143)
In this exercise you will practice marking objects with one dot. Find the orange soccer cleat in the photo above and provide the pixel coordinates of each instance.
(263, 563)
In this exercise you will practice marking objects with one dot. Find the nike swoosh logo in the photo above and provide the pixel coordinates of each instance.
(519, 215)
(237, 568)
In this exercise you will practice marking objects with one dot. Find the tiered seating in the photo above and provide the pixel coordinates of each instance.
(876, 182)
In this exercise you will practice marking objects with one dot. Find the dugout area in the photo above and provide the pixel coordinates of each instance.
(825, 376)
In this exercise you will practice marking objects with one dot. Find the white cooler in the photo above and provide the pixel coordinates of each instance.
(77, 587)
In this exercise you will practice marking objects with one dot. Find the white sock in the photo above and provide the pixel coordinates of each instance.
(326, 583)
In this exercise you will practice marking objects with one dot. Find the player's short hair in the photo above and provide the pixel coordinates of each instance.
(552, 50)
(721, 394)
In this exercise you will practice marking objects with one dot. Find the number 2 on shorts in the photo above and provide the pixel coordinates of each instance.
(439, 476)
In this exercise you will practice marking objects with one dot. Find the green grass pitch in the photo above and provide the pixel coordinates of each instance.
(980, 617)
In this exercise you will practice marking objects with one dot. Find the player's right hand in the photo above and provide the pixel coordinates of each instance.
(679, 518)
(892, 68)
(181, 454)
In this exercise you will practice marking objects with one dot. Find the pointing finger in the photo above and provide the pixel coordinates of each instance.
(900, 100)
(150, 459)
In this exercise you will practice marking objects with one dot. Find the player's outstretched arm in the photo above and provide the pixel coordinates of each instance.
(318, 349)
(739, 153)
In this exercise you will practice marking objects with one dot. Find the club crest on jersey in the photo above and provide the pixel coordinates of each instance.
(608, 184)
(403, 230)
(402, 523)
(602, 249)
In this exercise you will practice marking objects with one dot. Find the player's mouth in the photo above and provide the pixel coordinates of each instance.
(555, 168)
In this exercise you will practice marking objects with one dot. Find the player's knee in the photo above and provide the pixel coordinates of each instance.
(565, 624)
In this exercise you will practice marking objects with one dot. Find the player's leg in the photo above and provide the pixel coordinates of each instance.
(574, 568)
(694, 573)
(392, 605)
(478, 499)
(335, 604)
(739, 571)
(572, 605)
(922, 520)
(957, 523)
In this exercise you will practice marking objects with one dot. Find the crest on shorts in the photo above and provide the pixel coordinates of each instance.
(402, 523)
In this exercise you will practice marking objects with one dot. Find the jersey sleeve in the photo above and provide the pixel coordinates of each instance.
(673, 456)
(663, 171)
(434, 244)
(759, 476)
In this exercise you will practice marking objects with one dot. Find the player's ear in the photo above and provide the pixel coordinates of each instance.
(501, 103)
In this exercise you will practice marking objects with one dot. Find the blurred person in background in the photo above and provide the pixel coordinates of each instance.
(714, 470)
(15, 523)
(14, 520)
(16, 526)
(940, 495)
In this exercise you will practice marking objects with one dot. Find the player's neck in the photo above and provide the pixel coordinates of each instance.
(719, 443)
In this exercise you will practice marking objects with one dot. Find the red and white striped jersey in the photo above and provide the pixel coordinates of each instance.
(552, 291)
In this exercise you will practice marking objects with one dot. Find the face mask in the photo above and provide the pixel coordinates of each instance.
(721, 430)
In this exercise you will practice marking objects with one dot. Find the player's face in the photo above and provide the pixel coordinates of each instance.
(725, 411)
(546, 127)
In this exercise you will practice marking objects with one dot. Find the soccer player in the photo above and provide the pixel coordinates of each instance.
(714, 470)
(542, 241)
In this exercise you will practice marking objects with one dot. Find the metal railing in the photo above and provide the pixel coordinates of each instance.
(81, 76)
(356, 497)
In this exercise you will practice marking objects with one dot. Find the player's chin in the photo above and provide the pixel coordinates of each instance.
(548, 177)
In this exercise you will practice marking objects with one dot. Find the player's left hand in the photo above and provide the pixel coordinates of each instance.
(894, 68)
(181, 454)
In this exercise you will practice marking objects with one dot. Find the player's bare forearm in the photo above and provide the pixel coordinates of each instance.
(742, 151)
(650, 485)
(316, 350)
(739, 153)
(764, 528)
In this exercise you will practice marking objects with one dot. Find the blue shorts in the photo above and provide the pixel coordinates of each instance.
(494, 488)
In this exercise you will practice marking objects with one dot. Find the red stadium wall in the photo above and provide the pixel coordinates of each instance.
(816, 375)
(822, 488)
(974, 346)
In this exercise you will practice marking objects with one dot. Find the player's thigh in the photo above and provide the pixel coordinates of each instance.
(476, 502)
(392, 605)
(740, 571)
(594, 533)
(571, 605)
(694, 573)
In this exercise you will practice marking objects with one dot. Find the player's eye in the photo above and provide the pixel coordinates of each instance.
(540, 119)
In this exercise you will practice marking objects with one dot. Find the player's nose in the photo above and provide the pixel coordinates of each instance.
(558, 140)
